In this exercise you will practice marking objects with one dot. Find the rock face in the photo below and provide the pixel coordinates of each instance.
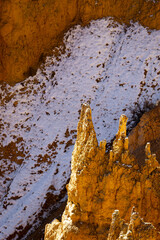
(147, 130)
(30, 28)
(101, 183)
(137, 229)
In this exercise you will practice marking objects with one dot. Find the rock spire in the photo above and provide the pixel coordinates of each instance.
(137, 229)
(101, 183)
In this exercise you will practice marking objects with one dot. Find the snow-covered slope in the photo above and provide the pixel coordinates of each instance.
(109, 65)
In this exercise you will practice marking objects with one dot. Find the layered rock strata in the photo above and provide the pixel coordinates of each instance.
(101, 183)
(30, 28)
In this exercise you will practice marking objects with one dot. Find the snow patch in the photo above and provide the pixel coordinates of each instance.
(106, 64)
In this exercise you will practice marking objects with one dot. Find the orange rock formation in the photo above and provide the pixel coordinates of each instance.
(29, 28)
(147, 130)
(101, 183)
(137, 229)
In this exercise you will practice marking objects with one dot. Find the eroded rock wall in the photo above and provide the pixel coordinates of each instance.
(30, 28)
(147, 130)
(101, 183)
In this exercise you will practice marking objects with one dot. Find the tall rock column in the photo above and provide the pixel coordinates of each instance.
(78, 220)
(101, 183)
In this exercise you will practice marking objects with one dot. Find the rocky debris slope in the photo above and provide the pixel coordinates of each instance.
(29, 29)
(101, 183)
(137, 229)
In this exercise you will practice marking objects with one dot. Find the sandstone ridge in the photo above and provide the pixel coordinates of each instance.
(30, 28)
(102, 182)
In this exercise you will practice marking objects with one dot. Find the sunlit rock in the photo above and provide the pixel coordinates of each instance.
(101, 183)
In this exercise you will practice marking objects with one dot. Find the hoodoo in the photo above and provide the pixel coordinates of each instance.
(101, 183)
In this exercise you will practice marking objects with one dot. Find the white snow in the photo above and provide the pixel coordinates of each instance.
(106, 64)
